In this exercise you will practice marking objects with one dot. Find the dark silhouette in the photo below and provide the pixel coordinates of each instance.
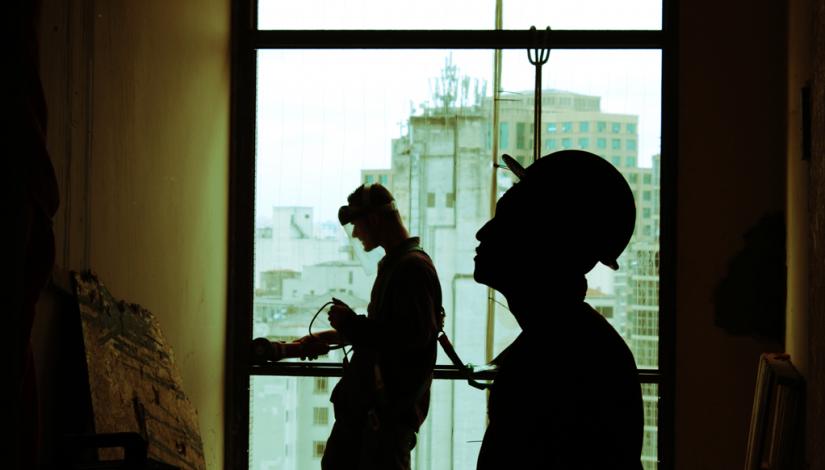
(31, 201)
(567, 393)
(384, 395)
(750, 300)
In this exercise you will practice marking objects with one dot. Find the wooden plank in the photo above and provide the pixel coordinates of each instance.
(777, 421)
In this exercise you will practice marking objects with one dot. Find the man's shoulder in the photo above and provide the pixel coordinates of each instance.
(606, 346)
(415, 258)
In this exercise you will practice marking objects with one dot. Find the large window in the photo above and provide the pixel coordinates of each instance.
(421, 96)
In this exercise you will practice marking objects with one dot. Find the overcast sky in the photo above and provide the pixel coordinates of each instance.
(325, 115)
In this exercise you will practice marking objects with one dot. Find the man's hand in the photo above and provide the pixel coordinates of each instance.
(312, 347)
(339, 315)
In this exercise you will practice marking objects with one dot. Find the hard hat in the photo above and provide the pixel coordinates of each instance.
(590, 199)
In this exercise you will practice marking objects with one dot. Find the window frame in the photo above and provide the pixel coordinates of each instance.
(247, 40)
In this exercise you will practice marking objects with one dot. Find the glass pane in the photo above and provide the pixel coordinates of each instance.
(582, 14)
(376, 14)
(331, 120)
(608, 103)
(291, 418)
(650, 445)
(318, 140)
(284, 431)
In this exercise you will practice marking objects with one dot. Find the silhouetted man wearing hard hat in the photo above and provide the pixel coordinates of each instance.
(567, 393)
(384, 395)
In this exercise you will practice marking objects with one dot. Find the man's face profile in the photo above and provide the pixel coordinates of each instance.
(362, 230)
(497, 249)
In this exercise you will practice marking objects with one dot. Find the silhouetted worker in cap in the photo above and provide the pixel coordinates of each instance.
(384, 395)
(567, 393)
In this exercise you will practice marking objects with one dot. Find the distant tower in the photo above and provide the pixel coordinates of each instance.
(451, 91)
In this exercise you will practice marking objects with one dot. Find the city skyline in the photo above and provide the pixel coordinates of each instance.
(440, 174)
(343, 108)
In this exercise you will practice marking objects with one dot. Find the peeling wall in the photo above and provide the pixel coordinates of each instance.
(138, 96)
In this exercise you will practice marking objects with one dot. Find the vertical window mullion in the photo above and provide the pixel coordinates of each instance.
(491, 306)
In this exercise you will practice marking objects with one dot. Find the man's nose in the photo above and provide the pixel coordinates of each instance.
(483, 230)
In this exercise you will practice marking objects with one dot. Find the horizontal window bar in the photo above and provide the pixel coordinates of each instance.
(335, 369)
(470, 39)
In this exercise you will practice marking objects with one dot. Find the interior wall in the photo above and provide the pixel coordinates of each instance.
(799, 75)
(731, 171)
(806, 212)
(138, 97)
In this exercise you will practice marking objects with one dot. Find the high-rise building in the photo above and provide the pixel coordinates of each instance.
(382, 176)
(442, 179)
(643, 297)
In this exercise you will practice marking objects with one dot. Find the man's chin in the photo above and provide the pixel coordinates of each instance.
(479, 276)
(487, 278)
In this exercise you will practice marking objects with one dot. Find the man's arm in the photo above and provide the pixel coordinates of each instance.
(330, 337)
(410, 309)
(319, 343)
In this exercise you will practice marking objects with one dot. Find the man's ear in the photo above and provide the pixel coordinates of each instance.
(374, 223)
